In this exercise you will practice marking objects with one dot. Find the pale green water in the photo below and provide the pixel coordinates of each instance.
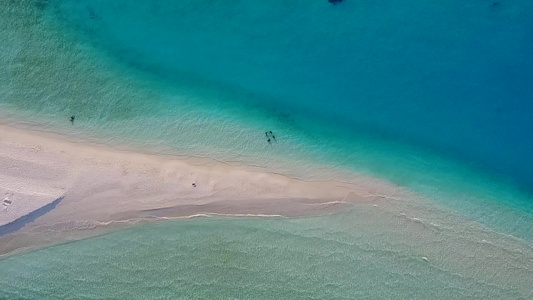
(451, 127)
(354, 255)
(51, 73)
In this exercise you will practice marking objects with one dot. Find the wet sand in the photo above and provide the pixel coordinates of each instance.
(96, 186)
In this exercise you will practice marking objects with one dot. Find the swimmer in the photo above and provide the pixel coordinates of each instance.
(273, 136)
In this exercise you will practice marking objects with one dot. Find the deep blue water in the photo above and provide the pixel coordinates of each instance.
(433, 96)
(452, 77)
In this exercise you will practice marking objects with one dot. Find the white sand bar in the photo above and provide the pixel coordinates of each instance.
(28, 181)
(99, 185)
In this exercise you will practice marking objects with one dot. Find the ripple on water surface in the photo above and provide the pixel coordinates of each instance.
(333, 257)
(136, 75)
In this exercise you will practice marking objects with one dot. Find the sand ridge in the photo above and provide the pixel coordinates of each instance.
(99, 184)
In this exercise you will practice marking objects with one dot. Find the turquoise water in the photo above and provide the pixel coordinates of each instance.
(333, 257)
(454, 78)
(432, 96)
(157, 77)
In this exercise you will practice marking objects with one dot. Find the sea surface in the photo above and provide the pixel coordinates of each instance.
(343, 256)
(433, 96)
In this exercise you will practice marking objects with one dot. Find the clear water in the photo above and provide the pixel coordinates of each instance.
(435, 97)
(453, 77)
(347, 256)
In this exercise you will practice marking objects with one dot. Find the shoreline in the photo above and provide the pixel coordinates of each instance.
(102, 185)
(107, 190)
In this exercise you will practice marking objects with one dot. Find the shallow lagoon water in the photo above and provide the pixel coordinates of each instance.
(346, 256)
(433, 97)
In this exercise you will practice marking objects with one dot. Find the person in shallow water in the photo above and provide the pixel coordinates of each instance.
(273, 136)
(269, 135)
(72, 119)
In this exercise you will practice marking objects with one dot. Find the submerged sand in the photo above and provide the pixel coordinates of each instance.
(59, 191)
(60, 186)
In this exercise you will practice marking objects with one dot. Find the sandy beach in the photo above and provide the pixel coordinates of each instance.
(59, 191)
(53, 184)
